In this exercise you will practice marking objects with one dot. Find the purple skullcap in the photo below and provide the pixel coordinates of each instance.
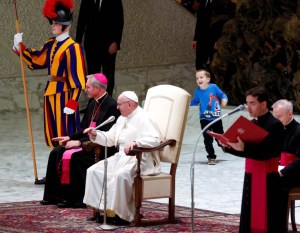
(101, 78)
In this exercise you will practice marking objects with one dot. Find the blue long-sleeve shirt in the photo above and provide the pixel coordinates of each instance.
(209, 100)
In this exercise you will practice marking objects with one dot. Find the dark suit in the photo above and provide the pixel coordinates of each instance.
(80, 161)
(100, 28)
(202, 34)
(291, 172)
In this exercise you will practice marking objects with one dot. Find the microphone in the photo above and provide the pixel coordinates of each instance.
(192, 170)
(239, 108)
(110, 119)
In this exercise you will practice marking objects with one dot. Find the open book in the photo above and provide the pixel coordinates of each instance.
(243, 128)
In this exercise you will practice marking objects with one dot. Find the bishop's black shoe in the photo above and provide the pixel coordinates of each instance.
(67, 204)
(41, 181)
(45, 202)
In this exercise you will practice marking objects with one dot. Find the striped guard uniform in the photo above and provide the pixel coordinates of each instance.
(67, 77)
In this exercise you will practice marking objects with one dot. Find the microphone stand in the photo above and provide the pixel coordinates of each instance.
(241, 107)
(104, 225)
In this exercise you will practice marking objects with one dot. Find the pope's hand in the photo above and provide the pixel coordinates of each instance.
(129, 147)
(88, 130)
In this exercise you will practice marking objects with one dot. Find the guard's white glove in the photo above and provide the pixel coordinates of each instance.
(68, 111)
(71, 106)
(17, 39)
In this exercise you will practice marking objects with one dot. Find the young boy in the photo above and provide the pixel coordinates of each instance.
(210, 98)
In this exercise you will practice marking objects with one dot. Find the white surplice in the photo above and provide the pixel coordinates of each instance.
(121, 169)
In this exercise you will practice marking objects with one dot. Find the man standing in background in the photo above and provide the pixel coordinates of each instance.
(211, 17)
(201, 41)
(289, 170)
(101, 23)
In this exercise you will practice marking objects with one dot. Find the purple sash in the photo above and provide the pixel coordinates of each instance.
(65, 162)
(65, 165)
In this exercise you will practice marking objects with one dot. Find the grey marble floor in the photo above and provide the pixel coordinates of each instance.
(217, 188)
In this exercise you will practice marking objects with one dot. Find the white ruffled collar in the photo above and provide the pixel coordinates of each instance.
(62, 36)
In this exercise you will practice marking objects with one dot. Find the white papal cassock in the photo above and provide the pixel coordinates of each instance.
(121, 169)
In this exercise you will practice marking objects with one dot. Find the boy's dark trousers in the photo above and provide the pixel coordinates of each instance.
(208, 140)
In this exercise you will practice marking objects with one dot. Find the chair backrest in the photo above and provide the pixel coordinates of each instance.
(168, 107)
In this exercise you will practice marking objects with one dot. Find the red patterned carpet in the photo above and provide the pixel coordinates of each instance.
(33, 217)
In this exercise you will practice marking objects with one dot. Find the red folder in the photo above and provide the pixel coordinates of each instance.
(243, 128)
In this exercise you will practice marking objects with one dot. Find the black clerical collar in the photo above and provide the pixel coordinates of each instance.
(100, 99)
(263, 117)
(291, 125)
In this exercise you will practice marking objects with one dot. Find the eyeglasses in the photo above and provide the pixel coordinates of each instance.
(119, 104)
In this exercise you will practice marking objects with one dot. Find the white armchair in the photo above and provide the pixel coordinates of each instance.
(168, 107)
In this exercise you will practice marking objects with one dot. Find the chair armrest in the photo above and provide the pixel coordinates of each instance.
(89, 146)
(136, 150)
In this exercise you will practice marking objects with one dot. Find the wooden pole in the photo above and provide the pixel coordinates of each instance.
(26, 98)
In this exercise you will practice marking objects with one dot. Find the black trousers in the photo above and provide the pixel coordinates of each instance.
(208, 140)
(276, 205)
(203, 52)
(73, 192)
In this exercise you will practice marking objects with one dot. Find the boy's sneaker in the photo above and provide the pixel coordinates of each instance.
(211, 162)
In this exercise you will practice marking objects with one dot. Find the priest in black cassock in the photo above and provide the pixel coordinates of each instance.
(289, 170)
(67, 165)
(262, 210)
